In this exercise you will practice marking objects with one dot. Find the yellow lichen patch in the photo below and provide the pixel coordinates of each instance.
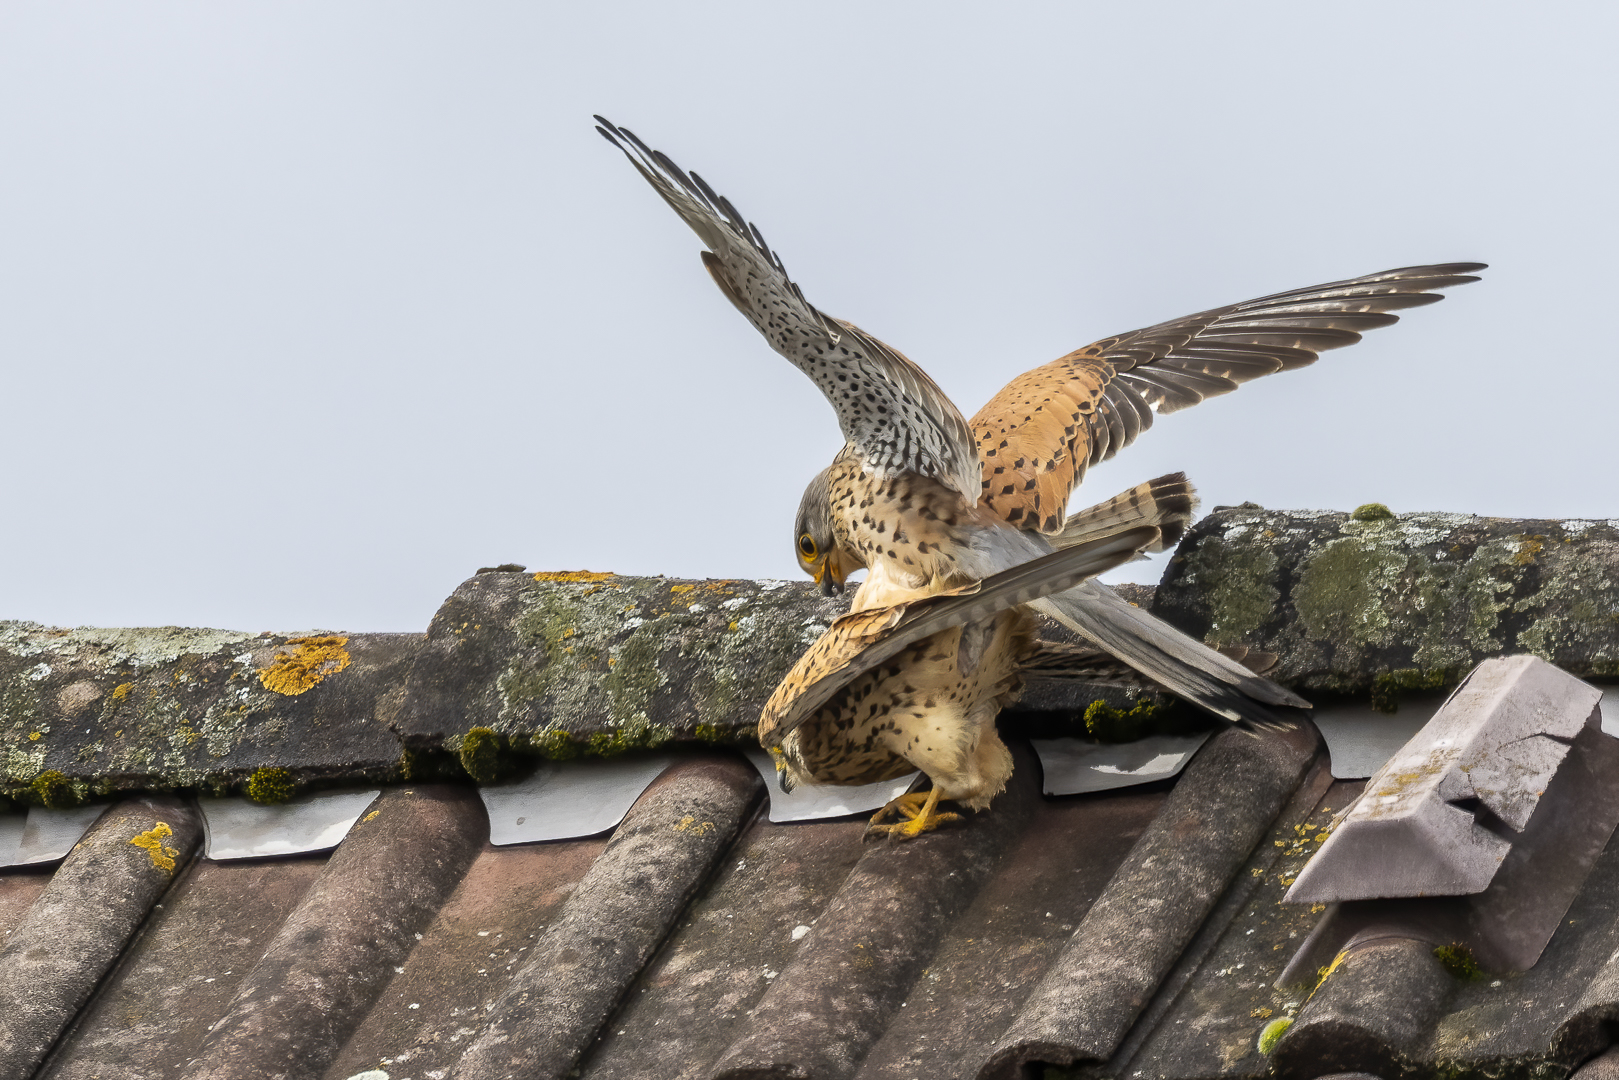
(312, 659)
(121, 691)
(1326, 972)
(370, 817)
(681, 588)
(573, 577)
(1528, 548)
(35, 736)
(691, 824)
(161, 854)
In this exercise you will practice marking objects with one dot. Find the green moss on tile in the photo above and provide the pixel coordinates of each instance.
(270, 786)
(481, 753)
(1371, 512)
(53, 789)
(715, 733)
(1108, 724)
(1238, 581)
(1342, 593)
(614, 743)
(1272, 1033)
(1388, 687)
(554, 745)
(1458, 961)
(1574, 615)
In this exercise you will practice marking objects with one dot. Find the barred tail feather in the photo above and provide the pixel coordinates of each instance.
(1187, 668)
(1169, 502)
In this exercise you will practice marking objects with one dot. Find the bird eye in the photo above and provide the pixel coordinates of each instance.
(806, 546)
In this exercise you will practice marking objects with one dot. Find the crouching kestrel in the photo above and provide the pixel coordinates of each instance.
(918, 684)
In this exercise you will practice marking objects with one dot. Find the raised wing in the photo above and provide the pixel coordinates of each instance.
(860, 641)
(1036, 438)
(896, 417)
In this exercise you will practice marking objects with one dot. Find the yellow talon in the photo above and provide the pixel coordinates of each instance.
(918, 808)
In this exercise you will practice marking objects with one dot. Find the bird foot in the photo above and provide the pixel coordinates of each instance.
(918, 810)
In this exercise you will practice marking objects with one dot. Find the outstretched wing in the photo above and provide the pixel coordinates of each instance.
(896, 417)
(1037, 437)
(861, 640)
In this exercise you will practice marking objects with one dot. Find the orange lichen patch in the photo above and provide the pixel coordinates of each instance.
(575, 577)
(161, 854)
(312, 659)
(1528, 548)
(691, 824)
(121, 691)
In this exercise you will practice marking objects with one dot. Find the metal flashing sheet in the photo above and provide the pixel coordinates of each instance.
(811, 802)
(48, 835)
(1361, 740)
(1075, 766)
(11, 829)
(236, 828)
(566, 800)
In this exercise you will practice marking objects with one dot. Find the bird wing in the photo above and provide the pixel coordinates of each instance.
(890, 411)
(1037, 437)
(862, 640)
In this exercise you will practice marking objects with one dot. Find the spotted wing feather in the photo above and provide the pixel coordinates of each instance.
(894, 415)
(1039, 435)
(861, 641)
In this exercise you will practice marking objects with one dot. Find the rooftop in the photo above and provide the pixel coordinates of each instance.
(268, 856)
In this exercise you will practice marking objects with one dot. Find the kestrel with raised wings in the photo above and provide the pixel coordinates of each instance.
(926, 502)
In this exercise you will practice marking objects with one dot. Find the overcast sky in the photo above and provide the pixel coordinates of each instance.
(308, 310)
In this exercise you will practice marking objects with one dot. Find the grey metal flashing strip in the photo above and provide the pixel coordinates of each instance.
(1372, 1013)
(237, 828)
(81, 923)
(813, 802)
(48, 835)
(1223, 805)
(567, 800)
(1361, 740)
(337, 950)
(848, 980)
(1078, 766)
(615, 918)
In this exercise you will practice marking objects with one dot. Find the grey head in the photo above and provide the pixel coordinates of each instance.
(815, 544)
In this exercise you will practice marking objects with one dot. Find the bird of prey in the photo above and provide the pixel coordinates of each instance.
(925, 501)
(918, 684)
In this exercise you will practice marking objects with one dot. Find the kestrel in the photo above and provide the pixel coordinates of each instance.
(917, 685)
(926, 502)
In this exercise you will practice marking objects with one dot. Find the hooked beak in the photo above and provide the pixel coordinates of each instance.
(829, 577)
(783, 781)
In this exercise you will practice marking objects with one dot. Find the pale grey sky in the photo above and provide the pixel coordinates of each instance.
(308, 310)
